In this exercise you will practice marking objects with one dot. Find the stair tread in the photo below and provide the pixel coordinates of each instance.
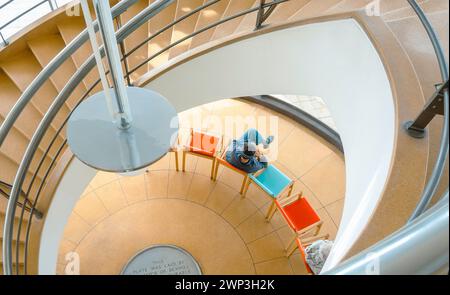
(30, 118)
(213, 14)
(21, 254)
(230, 27)
(45, 50)
(69, 31)
(348, 5)
(158, 22)
(21, 269)
(3, 204)
(185, 27)
(22, 69)
(14, 147)
(135, 38)
(16, 75)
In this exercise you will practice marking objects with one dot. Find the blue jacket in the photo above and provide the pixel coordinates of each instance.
(235, 150)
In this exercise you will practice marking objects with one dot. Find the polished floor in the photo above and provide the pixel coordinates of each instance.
(117, 216)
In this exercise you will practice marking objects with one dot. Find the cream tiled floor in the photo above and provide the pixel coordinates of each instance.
(118, 216)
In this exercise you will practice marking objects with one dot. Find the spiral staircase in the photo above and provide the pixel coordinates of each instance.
(154, 36)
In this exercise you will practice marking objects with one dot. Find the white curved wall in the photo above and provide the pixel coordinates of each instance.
(72, 185)
(333, 60)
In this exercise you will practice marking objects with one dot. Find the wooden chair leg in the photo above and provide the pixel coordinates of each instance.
(213, 168)
(247, 185)
(291, 188)
(216, 170)
(319, 227)
(184, 161)
(292, 243)
(291, 251)
(176, 161)
(271, 211)
(243, 184)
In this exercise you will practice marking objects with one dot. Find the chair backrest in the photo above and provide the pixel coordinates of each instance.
(225, 149)
(202, 141)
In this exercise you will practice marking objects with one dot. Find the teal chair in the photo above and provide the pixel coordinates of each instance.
(273, 182)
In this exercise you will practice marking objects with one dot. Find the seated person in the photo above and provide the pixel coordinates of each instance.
(317, 254)
(244, 153)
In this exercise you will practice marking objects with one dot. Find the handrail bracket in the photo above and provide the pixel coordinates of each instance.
(435, 106)
(263, 13)
(26, 204)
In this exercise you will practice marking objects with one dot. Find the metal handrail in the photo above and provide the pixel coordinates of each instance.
(6, 3)
(60, 150)
(430, 231)
(26, 205)
(438, 169)
(211, 26)
(126, 30)
(1, 35)
(50, 3)
(9, 186)
(47, 174)
(429, 228)
(118, 9)
(50, 69)
(131, 26)
(170, 25)
(60, 100)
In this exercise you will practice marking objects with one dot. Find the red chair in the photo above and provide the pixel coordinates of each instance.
(302, 245)
(299, 214)
(203, 145)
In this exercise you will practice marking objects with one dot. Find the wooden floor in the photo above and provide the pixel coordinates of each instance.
(117, 216)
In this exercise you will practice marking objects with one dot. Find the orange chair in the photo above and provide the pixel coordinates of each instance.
(302, 245)
(221, 160)
(204, 145)
(299, 214)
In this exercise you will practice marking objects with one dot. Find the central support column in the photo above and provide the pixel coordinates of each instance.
(106, 25)
(123, 129)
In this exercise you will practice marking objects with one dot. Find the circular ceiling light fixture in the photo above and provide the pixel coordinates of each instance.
(120, 129)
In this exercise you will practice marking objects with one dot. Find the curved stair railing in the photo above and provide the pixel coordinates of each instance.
(441, 98)
(429, 230)
(426, 226)
(125, 30)
(5, 188)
